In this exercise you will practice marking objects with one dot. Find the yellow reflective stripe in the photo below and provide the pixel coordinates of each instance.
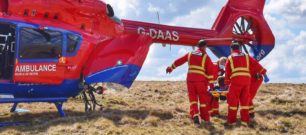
(251, 107)
(231, 62)
(210, 111)
(240, 74)
(248, 61)
(232, 124)
(244, 107)
(251, 111)
(233, 108)
(215, 109)
(196, 67)
(196, 71)
(203, 105)
(210, 77)
(244, 123)
(211, 81)
(204, 60)
(200, 72)
(240, 68)
(194, 102)
(196, 115)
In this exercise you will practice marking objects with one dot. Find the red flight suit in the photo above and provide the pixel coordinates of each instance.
(200, 75)
(255, 84)
(238, 75)
(215, 101)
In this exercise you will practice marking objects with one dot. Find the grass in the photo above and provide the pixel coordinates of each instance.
(160, 108)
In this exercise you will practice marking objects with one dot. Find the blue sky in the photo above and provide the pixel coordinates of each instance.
(286, 18)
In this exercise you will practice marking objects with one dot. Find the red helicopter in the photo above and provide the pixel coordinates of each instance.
(51, 50)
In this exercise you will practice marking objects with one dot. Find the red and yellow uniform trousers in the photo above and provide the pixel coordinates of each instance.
(237, 75)
(255, 84)
(215, 101)
(214, 107)
(238, 95)
(256, 81)
(199, 99)
(200, 75)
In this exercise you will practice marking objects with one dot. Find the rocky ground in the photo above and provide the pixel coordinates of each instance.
(159, 108)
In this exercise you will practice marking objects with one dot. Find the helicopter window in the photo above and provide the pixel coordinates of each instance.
(72, 43)
(40, 44)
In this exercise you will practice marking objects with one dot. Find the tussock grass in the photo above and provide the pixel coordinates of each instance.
(160, 108)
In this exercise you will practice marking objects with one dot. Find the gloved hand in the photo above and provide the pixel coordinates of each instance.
(169, 70)
(266, 78)
(258, 76)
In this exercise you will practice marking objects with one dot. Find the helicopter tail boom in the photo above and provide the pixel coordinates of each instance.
(238, 19)
(166, 34)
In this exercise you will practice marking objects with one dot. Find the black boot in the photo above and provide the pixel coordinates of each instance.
(209, 126)
(252, 115)
(196, 120)
(229, 126)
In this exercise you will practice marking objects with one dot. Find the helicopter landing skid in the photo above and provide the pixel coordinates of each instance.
(57, 101)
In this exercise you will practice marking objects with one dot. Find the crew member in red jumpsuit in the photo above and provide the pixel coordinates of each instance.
(238, 75)
(256, 81)
(200, 75)
(220, 70)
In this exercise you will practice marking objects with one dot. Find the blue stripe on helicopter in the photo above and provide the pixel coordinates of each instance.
(123, 74)
(68, 88)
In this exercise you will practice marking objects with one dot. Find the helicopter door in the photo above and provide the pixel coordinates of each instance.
(39, 54)
(7, 50)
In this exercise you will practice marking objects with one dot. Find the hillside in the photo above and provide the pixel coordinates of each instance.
(159, 108)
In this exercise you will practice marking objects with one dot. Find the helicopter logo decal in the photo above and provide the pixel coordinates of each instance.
(159, 34)
(34, 69)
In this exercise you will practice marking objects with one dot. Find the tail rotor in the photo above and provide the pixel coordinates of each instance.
(245, 31)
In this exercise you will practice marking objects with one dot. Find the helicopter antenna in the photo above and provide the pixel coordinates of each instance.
(158, 20)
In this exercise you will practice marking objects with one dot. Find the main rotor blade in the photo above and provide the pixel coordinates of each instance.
(242, 24)
(239, 28)
(235, 30)
(245, 49)
(250, 23)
